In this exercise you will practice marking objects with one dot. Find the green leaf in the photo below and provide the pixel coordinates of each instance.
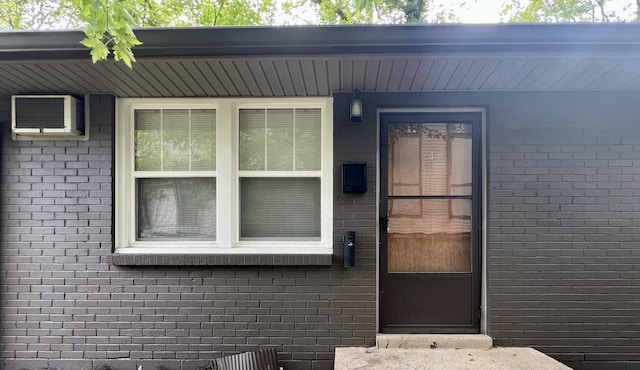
(99, 52)
(89, 42)
(85, 12)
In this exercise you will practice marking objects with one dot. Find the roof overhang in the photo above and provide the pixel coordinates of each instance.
(319, 60)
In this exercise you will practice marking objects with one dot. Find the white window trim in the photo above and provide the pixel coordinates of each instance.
(227, 178)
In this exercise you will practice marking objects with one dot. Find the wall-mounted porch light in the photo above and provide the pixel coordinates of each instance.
(355, 108)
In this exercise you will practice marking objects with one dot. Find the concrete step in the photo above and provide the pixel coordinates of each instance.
(466, 341)
(444, 359)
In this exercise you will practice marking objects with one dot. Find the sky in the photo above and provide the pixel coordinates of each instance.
(481, 11)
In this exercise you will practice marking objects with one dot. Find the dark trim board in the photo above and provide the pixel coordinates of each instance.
(338, 40)
(158, 259)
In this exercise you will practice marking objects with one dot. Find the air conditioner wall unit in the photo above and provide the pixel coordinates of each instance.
(48, 117)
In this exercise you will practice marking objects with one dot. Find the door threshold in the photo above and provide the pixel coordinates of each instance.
(460, 341)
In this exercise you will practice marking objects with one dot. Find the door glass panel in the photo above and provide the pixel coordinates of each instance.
(460, 173)
(429, 235)
(430, 159)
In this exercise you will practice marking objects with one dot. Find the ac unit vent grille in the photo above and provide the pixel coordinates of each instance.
(39, 113)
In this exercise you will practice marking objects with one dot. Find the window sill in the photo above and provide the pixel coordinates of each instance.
(175, 259)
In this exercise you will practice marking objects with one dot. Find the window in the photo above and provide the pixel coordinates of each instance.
(279, 174)
(174, 171)
(223, 176)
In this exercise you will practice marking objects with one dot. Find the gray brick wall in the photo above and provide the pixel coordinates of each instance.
(563, 256)
(565, 217)
(62, 299)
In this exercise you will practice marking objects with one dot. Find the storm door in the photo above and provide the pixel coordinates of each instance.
(430, 222)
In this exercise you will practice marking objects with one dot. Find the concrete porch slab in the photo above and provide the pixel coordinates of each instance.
(444, 359)
(468, 341)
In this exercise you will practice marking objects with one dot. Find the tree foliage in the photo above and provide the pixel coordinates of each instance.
(36, 14)
(108, 28)
(384, 11)
(561, 11)
(185, 13)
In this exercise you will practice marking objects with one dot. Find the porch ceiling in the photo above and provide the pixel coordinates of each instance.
(322, 75)
(316, 61)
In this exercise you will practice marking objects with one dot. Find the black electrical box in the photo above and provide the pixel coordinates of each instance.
(354, 177)
(349, 243)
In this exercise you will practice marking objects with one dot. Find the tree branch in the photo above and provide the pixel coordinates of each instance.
(603, 13)
(215, 18)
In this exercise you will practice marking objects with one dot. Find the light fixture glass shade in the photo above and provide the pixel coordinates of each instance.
(356, 110)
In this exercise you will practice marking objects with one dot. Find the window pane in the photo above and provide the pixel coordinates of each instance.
(175, 140)
(280, 208)
(286, 139)
(308, 137)
(279, 139)
(203, 140)
(460, 172)
(148, 151)
(176, 209)
(252, 140)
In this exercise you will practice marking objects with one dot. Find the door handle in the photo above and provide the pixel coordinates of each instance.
(384, 223)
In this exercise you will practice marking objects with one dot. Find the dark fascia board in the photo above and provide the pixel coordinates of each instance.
(338, 40)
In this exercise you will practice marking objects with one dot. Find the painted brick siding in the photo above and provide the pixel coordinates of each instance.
(565, 232)
(56, 234)
(563, 256)
(65, 305)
